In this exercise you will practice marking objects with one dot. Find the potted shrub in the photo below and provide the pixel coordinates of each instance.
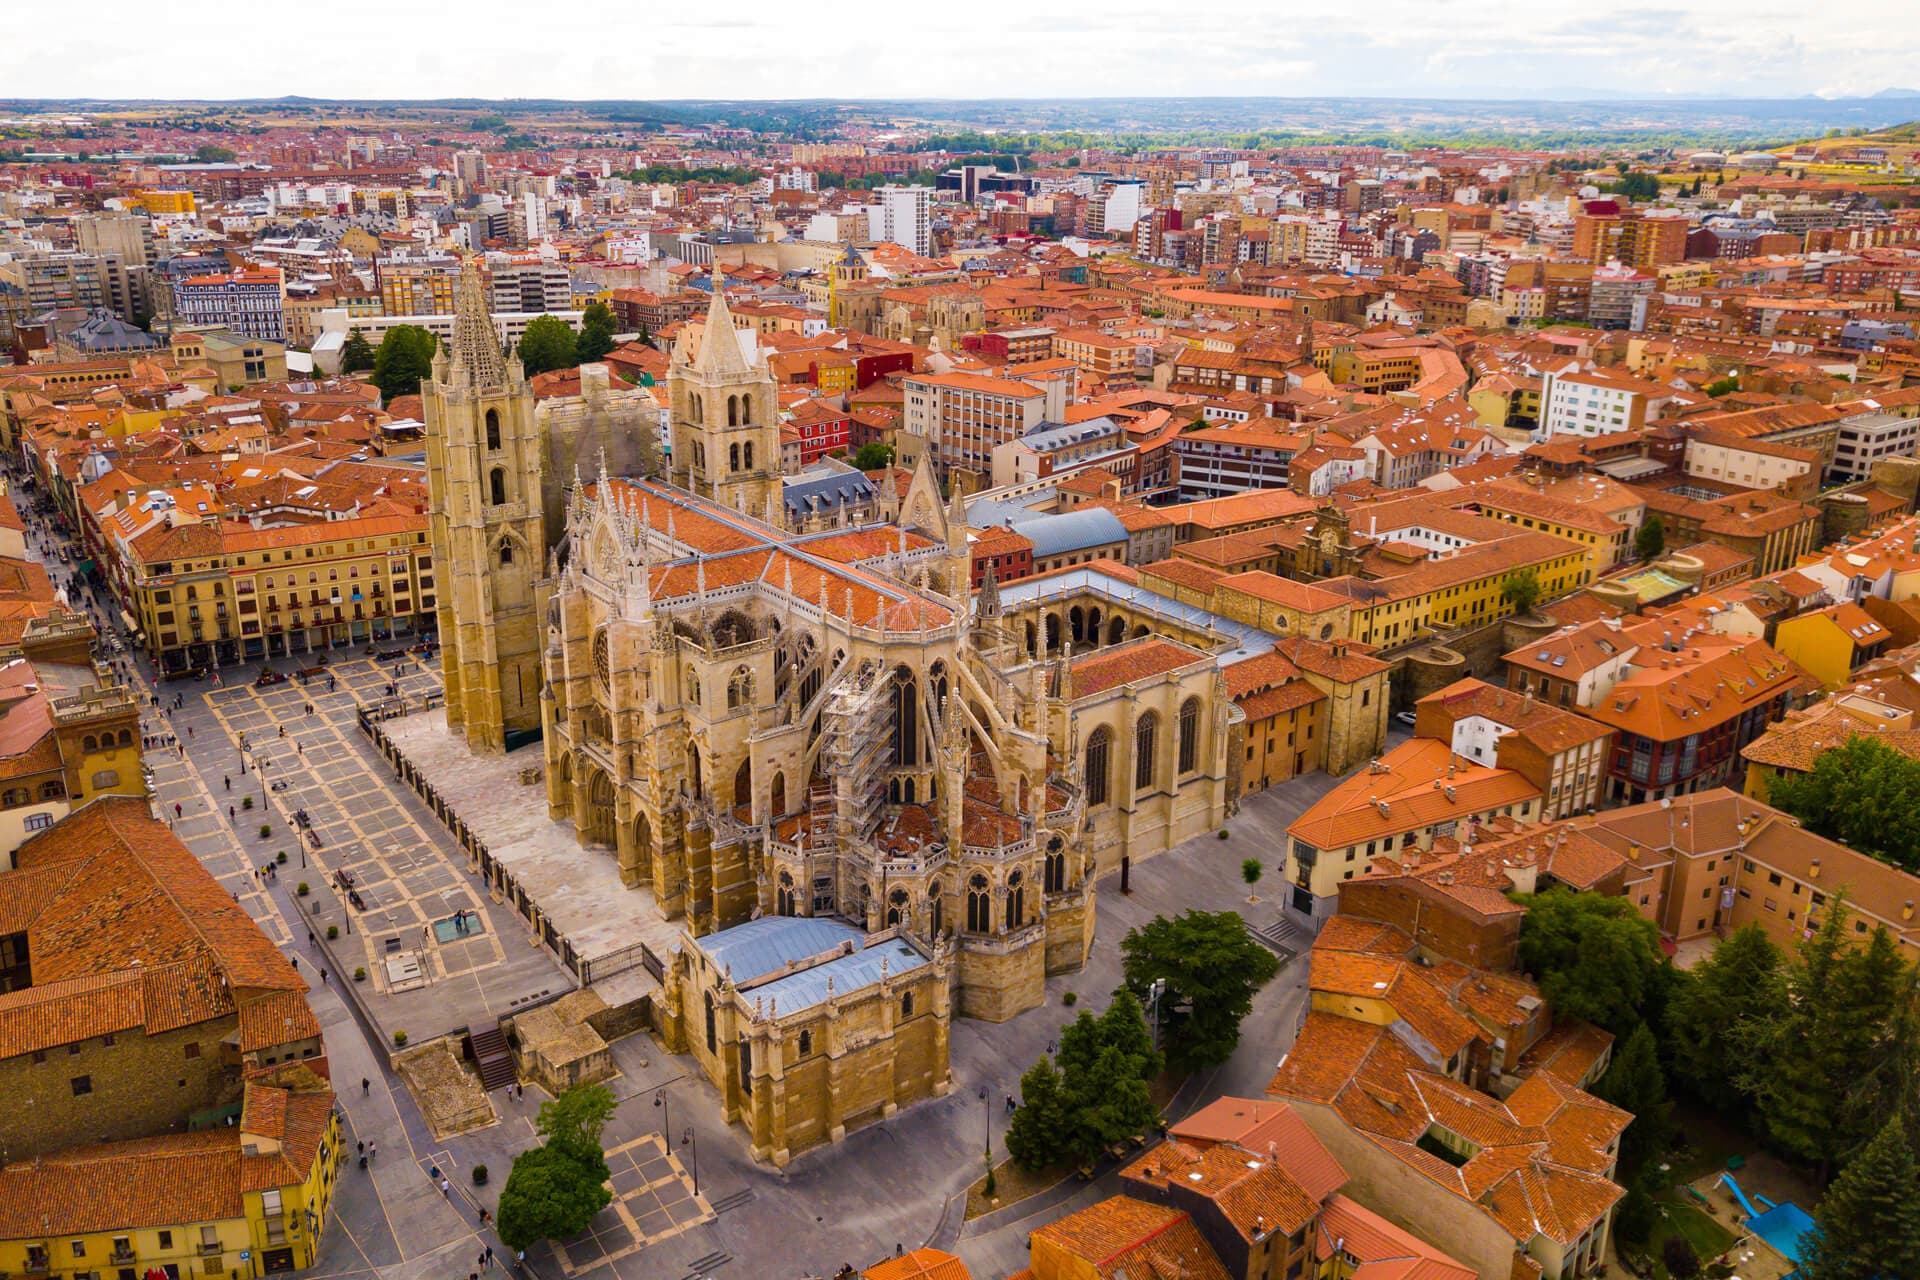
(1070, 997)
(479, 1175)
(281, 857)
(301, 889)
(333, 931)
(359, 973)
(266, 829)
(399, 1039)
(246, 802)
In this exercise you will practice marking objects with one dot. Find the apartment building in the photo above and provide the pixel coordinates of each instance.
(217, 591)
(1216, 462)
(1416, 793)
(529, 285)
(250, 301)
(181, 1120)
(903, 215)
(1597, 402)
(1605, 233)
(959, 419)
(1563, 754)
(418, 287)
(1868, 438)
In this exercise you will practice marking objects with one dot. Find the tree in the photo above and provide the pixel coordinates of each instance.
(1868, 1223)
(1722, 386)
(548, 1196)
(547, 344)
(1862, 793)
(1038, 1136)
(1521, 590)
(1250, 871)
(596, 333)
(1211, 966)
(404, 361)
(356, 353)
(1652, 538)
(1634, 1221)
(873, 455)
(1847, 1013)
(1717, 1012)
(208, 153)
(1107, 1065)
(573, 1121)
(1683, 1262)
(1594, 957)
(1634, 1084)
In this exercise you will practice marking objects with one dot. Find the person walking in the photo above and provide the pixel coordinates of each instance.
(373, 1150)
(176, 808)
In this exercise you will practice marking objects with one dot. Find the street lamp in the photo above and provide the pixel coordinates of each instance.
(666, 1125)
(687, 1140)
(1155, 989)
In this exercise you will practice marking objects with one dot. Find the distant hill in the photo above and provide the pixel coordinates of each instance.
(1898, 93)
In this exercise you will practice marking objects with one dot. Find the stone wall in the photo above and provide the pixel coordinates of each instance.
(998, 980)
(137, 1085)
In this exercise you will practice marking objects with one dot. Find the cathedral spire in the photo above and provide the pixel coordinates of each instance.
(719, 345)
(476, 346)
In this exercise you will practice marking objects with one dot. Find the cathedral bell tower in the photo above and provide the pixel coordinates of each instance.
(484, 463)
(726, 435)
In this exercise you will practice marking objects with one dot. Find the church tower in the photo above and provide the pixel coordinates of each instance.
(726, 433)
(484, 463)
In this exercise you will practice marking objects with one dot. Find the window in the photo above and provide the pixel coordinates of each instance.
(192, 1050)
(806, 1043)
(1189, 734)
(79, 1248)
(906, 1005)
(38, 821)
(1096, 766)
(106, 778)
(166, 1239)
(497, 483)
(493, 428)
(1145, 730)
(82, 1086)
(978, 904)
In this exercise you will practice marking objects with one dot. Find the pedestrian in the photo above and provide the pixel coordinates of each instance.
(230, 813)
(363, 1148)
(486, 1217)
(433, 1173)
(446, 1189)
(1012, 1106)
(373, 1150)
(363, 1164)
(310, 938)
(176, 808)
(296, 961)
(189, 733)
(487, 1257)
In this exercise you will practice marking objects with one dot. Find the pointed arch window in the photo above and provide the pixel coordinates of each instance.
(493, 428)
(1146, 732)
(1189, 735)
(1098, 748)
(979, 905)
(497, 486)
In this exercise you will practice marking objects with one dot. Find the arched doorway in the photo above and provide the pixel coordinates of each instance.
(743, 791)
(1116, 630)
(599, 808)
(777, 797)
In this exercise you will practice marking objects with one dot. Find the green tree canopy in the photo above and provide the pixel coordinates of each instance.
(548, 1196)
(1635, 1084)
(1594, 957)
(404, 361)
(596, 333)
(1212, 966)
(872, 456)
(1722, 386)
(1863, 794)
(1038, 1137)
(1718, 1012)
(573, 1121)
(1868, 1223)
(1521, 590)
(356, 353)
(549, 343)
(208, 153)
(1652, 538)
(1107, 1066)
(1847, 1015)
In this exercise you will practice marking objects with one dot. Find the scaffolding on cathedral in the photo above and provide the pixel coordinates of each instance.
(858, 723)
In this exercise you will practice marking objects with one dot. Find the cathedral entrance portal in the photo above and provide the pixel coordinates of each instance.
(600, 825)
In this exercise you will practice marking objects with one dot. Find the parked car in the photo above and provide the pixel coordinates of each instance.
(1406, 718)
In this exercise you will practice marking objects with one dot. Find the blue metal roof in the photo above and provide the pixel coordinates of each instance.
(1071, 531)
(803, 990)
(771, 942)
(1055, 435)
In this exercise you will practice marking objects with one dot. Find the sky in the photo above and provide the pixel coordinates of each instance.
(977, 49)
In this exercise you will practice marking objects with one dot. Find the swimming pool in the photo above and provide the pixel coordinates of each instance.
(1781, 1227)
